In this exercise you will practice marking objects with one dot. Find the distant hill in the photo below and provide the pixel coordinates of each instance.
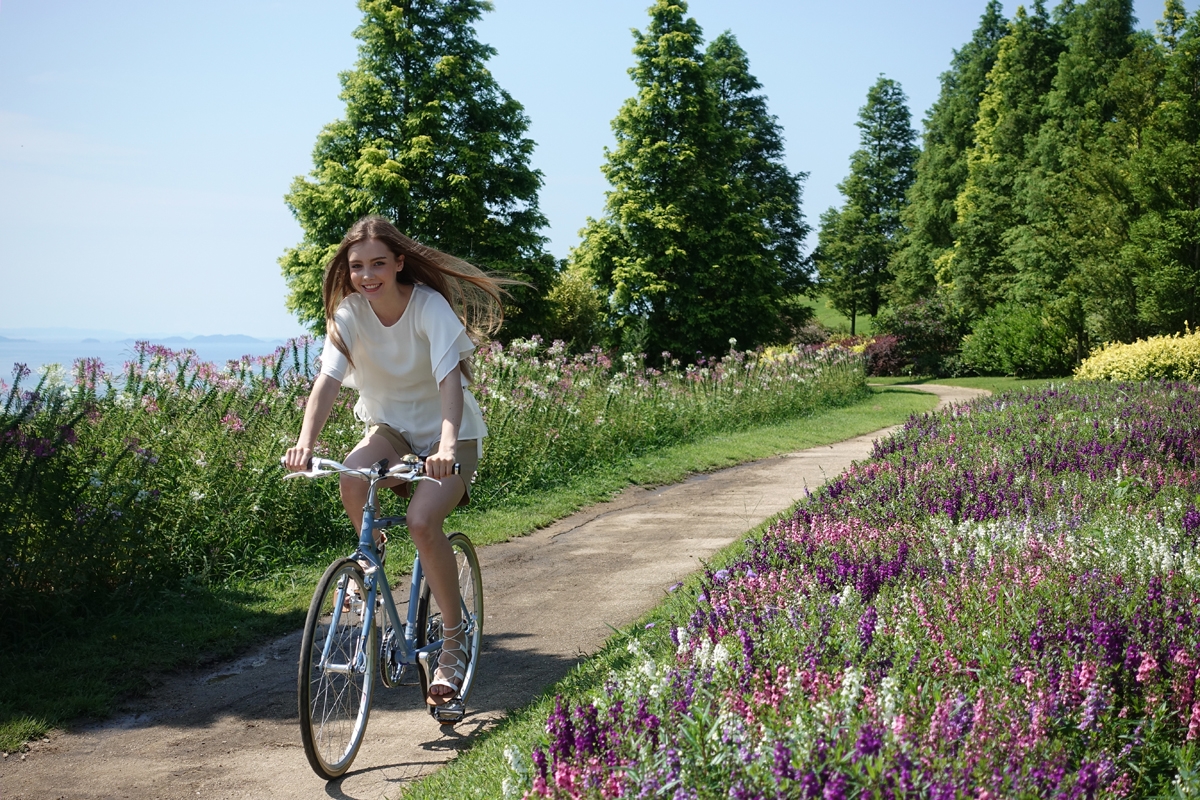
(91, 335)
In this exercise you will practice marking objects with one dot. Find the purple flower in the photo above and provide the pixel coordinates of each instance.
(562, 732)
(835, 787)
(1191, 524)
(587, 734)
(870, 742)
(783, 770)
(866, 627)
(539, 763)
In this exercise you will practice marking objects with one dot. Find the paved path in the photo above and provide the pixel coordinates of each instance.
(550, 598)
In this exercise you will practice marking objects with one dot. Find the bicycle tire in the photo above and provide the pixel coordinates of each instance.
(335, 705)
(470, 587)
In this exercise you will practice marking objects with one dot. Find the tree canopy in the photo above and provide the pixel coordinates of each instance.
(701, 236)
(432, 142)
(858, 241)
(930, 218)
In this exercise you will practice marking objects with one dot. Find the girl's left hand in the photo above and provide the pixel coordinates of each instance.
(441, 464)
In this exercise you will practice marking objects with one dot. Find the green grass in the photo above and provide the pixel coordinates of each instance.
(836, 321)
(82, 668)
(991, 384)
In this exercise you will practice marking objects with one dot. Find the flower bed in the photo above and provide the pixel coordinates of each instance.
(123, 484)
(1003, 601)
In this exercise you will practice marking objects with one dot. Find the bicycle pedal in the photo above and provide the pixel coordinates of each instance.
(451, 713)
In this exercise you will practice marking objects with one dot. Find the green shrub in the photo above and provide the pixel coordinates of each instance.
(928, 336)
(1020, 340)
(576, 310)
(1159, 357)
(110, 487)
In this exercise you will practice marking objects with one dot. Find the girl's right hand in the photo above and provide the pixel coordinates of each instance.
(296, 459)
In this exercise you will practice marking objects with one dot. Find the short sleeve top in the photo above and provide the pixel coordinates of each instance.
(397, 368)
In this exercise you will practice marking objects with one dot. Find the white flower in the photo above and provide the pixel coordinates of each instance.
(889, 699)
(852, 685)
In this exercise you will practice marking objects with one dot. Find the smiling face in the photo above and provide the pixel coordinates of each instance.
(373, 269)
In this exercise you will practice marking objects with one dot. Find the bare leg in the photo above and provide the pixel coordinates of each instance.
(365, 454)
(426, 514)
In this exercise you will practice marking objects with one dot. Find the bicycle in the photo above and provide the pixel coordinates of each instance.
(343, 650)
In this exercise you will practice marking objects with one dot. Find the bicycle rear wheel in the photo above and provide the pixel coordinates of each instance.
(337, 673)
(429, 621)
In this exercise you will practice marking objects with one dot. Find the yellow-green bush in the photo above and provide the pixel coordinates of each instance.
(1166, 357)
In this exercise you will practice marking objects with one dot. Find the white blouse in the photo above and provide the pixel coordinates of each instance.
(397, 369)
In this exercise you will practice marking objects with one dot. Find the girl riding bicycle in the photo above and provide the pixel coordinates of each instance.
(398, 317)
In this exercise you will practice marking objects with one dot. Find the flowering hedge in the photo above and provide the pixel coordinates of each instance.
(119, 484)
(1004, 601)
(1159, 357)
(551, 415)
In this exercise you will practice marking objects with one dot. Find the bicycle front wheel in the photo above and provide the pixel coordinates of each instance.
(470, 588)
(337, 669)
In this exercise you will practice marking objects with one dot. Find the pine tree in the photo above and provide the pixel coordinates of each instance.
(1052, 246)
(930, 219)
(1164, 243)
(858, 242)
(762, 225)
(432, 142)
(700, 240)
(1101, 206)
(978, 273)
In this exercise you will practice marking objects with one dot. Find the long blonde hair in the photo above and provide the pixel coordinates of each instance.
(472, 293)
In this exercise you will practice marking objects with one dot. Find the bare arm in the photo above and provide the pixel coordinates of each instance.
(316, 413)
(441, 464)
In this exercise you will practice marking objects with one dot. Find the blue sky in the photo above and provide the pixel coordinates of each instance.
(145, 147)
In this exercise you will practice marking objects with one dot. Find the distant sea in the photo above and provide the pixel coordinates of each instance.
(36, 354)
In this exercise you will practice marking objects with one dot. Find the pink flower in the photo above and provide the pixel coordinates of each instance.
(233, 422)
(1148, 668)
(1194, 724)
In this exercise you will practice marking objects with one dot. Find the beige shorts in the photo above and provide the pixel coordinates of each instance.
(467, 452)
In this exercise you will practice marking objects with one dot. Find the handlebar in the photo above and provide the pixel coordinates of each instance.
(411, 468)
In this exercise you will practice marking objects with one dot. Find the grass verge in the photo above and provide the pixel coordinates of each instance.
(82, 667)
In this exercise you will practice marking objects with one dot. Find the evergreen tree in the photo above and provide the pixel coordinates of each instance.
(430, 141)
(930, 218)
(978, 272)
(700, 240)
(1101, 205)
(858, 241)
(762, 225)
(1164, 243)
(1052, 246)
